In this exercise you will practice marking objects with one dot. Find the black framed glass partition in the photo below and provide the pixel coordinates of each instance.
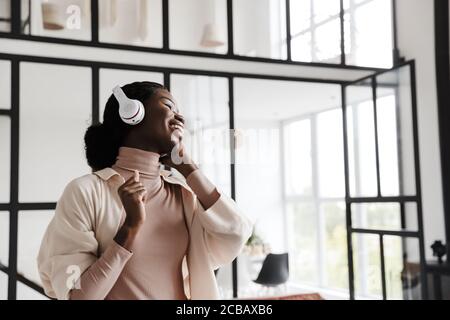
(334, 33)
(332, 195)
(384, 206)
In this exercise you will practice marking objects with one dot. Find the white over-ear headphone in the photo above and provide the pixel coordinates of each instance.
(131, 111)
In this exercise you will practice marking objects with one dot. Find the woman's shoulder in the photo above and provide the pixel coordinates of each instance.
(85, 185)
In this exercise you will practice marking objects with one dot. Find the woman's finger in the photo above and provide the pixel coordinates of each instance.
(135, 189)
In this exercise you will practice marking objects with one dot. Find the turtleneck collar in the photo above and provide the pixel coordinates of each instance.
(146, 162)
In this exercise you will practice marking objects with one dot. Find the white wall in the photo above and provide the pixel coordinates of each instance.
(416, 41)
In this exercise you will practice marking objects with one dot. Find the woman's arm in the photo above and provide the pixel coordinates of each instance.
(69, 248)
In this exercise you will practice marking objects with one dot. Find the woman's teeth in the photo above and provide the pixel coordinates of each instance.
(176, 126)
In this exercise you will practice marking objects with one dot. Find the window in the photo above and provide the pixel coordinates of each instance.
(5, 84)
(203, 101)
(32, 226)
(368, 33)
(70, 19)
(44, 111)
(277, 157)
(5, 165)
(198, 25)
(316, 32)
(132, 22)
(3, 286)
(259, 28)
(381, 162)
(26, 293)
(316, 218)
(4, 238)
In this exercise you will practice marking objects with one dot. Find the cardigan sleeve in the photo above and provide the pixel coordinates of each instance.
(226, 228)
(69, 247)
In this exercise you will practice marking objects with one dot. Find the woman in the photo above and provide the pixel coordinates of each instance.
(132, 231)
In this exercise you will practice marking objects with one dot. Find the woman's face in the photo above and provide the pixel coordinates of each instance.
(162, 127)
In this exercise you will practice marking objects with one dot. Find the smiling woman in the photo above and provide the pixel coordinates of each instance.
(146, 237)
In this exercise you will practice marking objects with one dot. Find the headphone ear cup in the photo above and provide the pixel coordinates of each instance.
(132, 112)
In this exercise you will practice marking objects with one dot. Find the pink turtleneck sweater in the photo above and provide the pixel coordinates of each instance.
(152, 269)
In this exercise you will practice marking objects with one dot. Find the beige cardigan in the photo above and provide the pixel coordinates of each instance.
(88, 215)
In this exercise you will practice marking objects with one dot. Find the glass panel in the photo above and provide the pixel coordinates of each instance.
(335, 257)
(204, 103)
(135, 22)
(109, 78)
(32, 226)
(225, 281)
(272, 145)
(53, 120)
(198, 25)
(5, 84)
(4, 238)
(316, 31)
(300, 15)
(402, 265)
(260, 28)
(301, 48)
(297, 157)
(330, 154)
(303, 243)
(3, 286)
(395, 133)
(384, 216)
(368, 29)
(361, 140)
(5, 16)
(5, 158)
(327, 42)
(26, 293)
(70, 19)
(367, 266)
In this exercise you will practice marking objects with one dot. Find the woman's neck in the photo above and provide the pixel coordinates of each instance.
(146, 162)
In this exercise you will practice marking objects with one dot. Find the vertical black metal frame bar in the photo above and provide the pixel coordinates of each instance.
(94, 21)
(95, 95)
(395, 51)
(383, 268)
(14, 179)
(441, 34)
(375, 123)
(342, 26)
(166, 80)
(165, 21)
(424, 282)
(15, 17)
(232, 171)
(288, 30)
(230, 28)
(348, 212)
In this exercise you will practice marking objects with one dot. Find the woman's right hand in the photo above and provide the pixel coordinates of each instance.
(132, 194)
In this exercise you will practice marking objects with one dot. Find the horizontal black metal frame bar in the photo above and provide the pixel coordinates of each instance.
(379, 73)
(400, 199)
(400, 233)
(110, 65)
(181, 52)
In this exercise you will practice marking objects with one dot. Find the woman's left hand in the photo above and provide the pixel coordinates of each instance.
(179, 160)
